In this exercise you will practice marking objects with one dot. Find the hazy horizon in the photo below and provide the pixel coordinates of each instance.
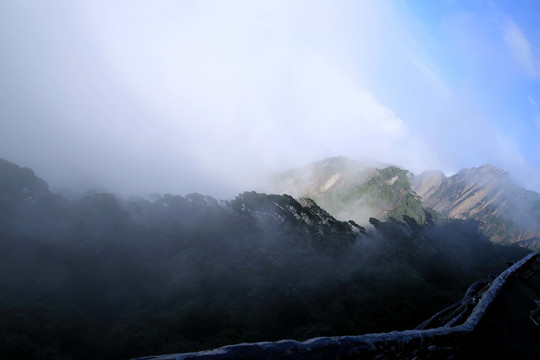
(212, 97)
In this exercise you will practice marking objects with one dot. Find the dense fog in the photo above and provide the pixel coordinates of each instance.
(203, 96)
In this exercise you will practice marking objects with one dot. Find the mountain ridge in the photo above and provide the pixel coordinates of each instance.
(351, 190)
(508, 213)
(118, 278)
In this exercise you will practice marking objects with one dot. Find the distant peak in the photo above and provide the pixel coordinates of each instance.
(485, 169)
(336, 160)
(490, 168)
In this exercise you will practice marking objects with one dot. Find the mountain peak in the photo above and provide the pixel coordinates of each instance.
(487, 194)
(489, 168)
(353, 190)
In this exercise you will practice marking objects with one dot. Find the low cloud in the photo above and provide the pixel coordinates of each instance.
(213, 97)
(195, 96)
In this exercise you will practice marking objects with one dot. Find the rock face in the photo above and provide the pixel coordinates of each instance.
(509, 213)
(428, 183)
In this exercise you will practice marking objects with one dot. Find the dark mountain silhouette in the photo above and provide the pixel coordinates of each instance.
(110, 278)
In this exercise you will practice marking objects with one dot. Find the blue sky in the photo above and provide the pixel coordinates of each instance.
(213, 96)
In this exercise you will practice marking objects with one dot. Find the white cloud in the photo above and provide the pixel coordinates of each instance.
(520, 48)
(245, 87)
(205, 91)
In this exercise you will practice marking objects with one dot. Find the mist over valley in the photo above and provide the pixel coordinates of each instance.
(117, 277)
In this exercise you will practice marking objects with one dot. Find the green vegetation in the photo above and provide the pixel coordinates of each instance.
(387, 191)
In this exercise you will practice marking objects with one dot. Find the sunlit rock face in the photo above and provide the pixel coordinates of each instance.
(427, 184)
(508, 212)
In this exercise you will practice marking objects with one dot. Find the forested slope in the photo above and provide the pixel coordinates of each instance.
(103, 277)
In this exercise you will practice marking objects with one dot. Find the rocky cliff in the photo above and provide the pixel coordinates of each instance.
(508, 212)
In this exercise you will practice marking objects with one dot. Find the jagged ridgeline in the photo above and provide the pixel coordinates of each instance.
(348, 189)
(508, 212)
(110, 278)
